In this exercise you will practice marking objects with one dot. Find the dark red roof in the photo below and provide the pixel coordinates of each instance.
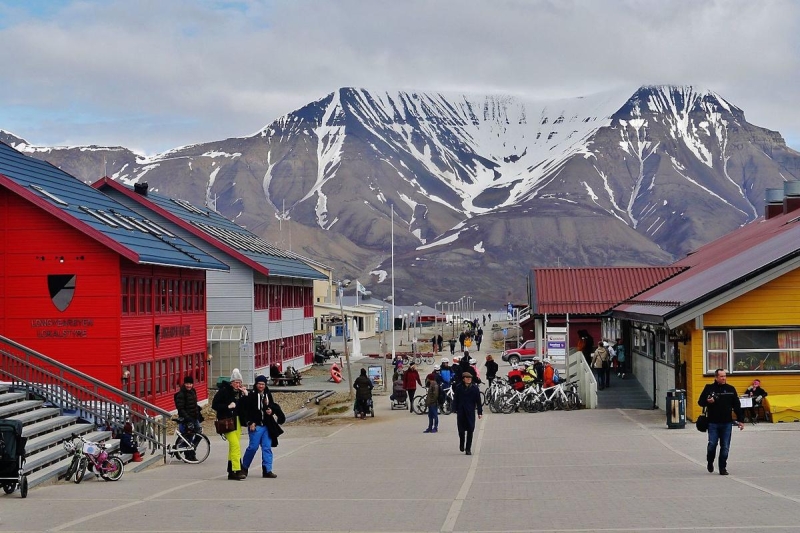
(591, 290)
(725, 262)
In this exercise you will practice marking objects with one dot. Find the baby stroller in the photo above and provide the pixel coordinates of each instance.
(399, 395)
(367, 408)
(12, 457)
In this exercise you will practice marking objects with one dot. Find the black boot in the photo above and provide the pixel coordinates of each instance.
(230, 472)
(243, 469)
(269, 474)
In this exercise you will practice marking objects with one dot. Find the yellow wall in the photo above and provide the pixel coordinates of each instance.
(774, 304)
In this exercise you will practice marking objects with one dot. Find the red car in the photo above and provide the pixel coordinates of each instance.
(525, 352)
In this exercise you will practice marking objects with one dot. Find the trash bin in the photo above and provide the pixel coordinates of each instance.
(676, 409)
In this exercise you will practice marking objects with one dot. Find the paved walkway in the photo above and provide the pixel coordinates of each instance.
(594, 470)
(598, 470)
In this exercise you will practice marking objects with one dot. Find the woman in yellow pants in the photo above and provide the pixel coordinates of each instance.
(227, 403)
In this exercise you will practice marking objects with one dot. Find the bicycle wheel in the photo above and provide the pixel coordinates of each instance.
(447, 407)
(429, 360)
(201, 445)
(418, 360)
(73, 467)
(507, 404)
(83, 464)
(112, 468)
(558, 403)
(419, 405)
(483, 398)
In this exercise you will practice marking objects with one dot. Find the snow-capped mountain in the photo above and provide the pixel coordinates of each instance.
(483, 186)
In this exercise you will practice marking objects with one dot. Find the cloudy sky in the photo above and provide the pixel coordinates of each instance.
(152, 75)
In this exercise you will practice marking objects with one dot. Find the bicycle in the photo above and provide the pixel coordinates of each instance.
(76, 453)
(94, 455)
(191, 447)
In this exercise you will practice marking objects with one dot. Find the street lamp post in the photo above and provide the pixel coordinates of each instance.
(342, 284)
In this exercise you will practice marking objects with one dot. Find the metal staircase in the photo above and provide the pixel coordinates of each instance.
(54, 401)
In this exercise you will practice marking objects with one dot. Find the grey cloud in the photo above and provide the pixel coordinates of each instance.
(157, 75)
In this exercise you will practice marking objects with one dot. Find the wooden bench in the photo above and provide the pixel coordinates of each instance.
(286, 381)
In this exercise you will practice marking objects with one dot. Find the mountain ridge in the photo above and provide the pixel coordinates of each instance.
(479, 183)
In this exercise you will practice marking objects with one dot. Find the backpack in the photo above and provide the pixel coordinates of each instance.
(556, 375)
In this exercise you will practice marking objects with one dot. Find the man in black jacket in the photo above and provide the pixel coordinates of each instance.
(466, 401)
(720, 401)
(259, 409)
(186, 404)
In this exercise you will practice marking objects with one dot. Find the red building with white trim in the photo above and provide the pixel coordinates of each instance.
(94, 285)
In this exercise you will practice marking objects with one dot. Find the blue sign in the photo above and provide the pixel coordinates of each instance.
(505, 332)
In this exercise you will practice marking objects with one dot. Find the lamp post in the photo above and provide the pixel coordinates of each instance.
(385, 314)
(342, 284)
(444, 318)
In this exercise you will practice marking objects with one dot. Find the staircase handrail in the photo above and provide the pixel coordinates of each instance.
(90, 398)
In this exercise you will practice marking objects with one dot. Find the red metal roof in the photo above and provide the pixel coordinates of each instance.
(591, 290)
(722, 263)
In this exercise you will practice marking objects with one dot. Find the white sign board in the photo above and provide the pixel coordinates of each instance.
(556, 347)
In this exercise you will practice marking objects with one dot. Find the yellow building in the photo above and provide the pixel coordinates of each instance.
(736, 306)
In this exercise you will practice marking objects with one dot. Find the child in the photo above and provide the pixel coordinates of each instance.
(127, 443)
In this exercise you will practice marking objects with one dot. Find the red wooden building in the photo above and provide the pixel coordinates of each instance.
(96, 286)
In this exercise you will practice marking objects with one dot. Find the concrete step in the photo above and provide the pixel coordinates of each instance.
(55, 454)
(50, 424)
(16, 408)
(11, 397)
(56, 437)
(36, 415)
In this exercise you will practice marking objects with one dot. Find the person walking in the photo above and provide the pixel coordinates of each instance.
(491, 369)
(620, 349)
(363, 386)
(720, 401)
(461, 339)
(259, 410)
(434, 345)
(466, 401)
(599, 357)
(440, 342)
(607, 363)
(478, 340)
(228, 404)
(452, 343)
(410, 381)
(432, 402)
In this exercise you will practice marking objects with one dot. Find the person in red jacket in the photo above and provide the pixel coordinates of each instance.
(515, 378)
(410, 380)
(548, 374)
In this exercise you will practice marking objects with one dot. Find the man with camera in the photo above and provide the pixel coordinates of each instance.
(720, 401)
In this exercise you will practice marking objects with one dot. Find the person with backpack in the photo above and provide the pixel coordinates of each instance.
(549, 373)
(600, 359)
(446, 375)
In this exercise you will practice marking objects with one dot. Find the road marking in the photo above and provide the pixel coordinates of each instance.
(703, 463)
(173, 489)
(458, 502)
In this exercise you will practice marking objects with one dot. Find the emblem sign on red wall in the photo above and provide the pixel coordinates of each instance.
(62, 289)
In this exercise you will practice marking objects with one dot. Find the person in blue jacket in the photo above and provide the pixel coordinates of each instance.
(466, 400)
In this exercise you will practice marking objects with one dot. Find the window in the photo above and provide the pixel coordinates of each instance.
(753, 350)
(125, 288)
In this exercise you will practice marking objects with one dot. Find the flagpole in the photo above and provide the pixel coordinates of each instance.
(392, 318)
